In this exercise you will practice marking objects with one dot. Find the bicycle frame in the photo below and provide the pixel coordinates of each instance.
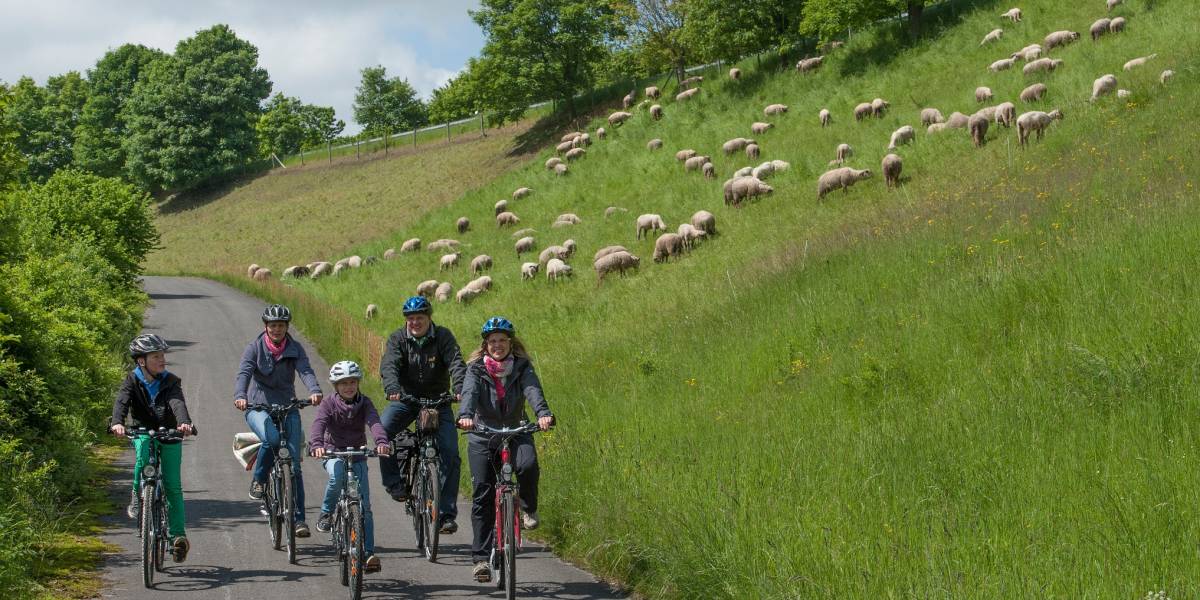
(508, 492)
(280, 511)
(426, 463)
(349, 497)
(152, 521)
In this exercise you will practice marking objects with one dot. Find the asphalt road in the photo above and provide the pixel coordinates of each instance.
(208, 325)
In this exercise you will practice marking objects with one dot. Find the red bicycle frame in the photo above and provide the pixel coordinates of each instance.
(506, 487)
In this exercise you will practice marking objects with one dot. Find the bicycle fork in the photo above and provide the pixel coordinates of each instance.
(507, 485)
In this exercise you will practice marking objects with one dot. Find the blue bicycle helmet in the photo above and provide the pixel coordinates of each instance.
(417, 304)
(495, 324)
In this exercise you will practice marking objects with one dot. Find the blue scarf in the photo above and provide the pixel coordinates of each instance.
(152, 386)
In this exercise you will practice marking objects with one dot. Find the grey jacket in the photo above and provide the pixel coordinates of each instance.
(262, 380)
(521, 386)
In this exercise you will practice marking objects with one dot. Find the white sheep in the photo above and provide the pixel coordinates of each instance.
(656, 112)
(605, 251)
(601, 133)
(463, 224)
(427, 288)
(321, 269)
(1060, 38)
(612, 210)
(262, 274)
(619, 117)
(482, 262)
(1006, 114)
(809, 64)
(449, 261)
(443, 291)
(901, 136)
(685, 95)
(1099, 28)
(552, 161)
(825, 117)
(251, 269)
(1035, 121)
(554, 252)
(354, 262)
(1137, 62)
(481, 283)
(843, 152)
(585, 140)
(862, 111)
(780, 165)
(506, 218)
(759, 128)
(878, 106)
(710, 172)
(618, 261)
(1041, 64)
(705, 221)
(987, 112)
(1104, 85)
(627, 101)
(1028, 53)
(467, 294)
(442, 245)
(523, 245)
(574, 154)
(502, 205)
(690, 235)
(983, 94)
(561, 169)
(372, 311)
(1113, 3)
(841, 178)
(743, 172)
(992, 36)
(1003, 64)
(734, 145)
(521, 192)
(565, 147)
(557, 269)
(654, 144)
(683, 155)
(935, 128)
(763, 171)
(691, 80)
(891, 167)
(649, 222)
(775, 109)
(1013, 14)
(529, 270)
(929, 116)
(653, 92)
(978, 126)
(743, 188)
(1166, 76)
(1033, 93)
(570, 218)
(694, 163)
(296, 271)
(666, 246)
(570, 136)
(1117, 25)
(735, 73)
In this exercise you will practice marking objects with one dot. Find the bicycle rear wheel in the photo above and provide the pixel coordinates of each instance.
(288, 505)
(271, 501)
(148, 541)
(430, 497)
(509, 560)
(357, 553)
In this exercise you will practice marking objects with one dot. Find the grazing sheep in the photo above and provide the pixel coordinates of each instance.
(1028, 53)
(705, 221)
(321, 269)
(1124, 94)
(442, 245)
(262, 274)
(752, 151)
(649, 222)
(1013, 14)
(1060, 38)
(506, 218)
(734, 145)
(554, 252)
(929, 116)
(442, 294)
(627, 101)
(523, 245)
(653, 92)
(743, 188)
(354, 262)
(1166, 76)
(1113, 3)
(483, 282)
(987, 112)
(1033, 93)
(694, 163)
(467, 294)
(654, 144)
(1042, 64)
(618, 261)
(843, 152)
(691, 80)
(1006, 114)
(482, 262)
(601, 133)
(529, 270)
(297, 271)
(619, 117)
(825, 116)
(520, 233)
(427, 288)
(775, 109)
(463, 224)
(759, 128)
(557, 269)
(862, 111)
(612, 210)
(571, 218)
(690, 235)
(570, 136)
(780, 165)
(743, 172)
(564, 147)
(878, 106)
(809, 64)
(1035, 121)
(686, 94)
(978, 126)
(891, 167)
(585, 140)
(656, 112)
(605, 251)
(763, 171)
(1003, 64)
(1117, 25)
(841, 179)
(449, 261)
(552, 161)
(571, 247)
(1137, 62)
(935, 128)
(502, 205)
(710, 172)
(983, 94)
(372, 311)
(683, 155)
(735, 73)
(1099, 28)
(574, 154)
(992, 36)
(250, 271)
(904, 135)
(666, 246)
(561, 169)
(1104, 85)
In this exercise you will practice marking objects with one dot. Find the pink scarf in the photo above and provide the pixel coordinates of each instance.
(276, 351)
(498, 370)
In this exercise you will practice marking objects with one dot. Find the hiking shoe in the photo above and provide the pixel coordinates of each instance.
(482, 572)
(372, 565)
(256, 490)
(179, 549)
(530, 520)
(135, 505)
(325, 522)
(399, 493)
(449, 526)
(302, 530)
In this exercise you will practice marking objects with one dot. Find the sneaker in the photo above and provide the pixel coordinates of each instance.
(372, 565)
(302, 529)
(530, 520)
(135, 505)
(256, 490)
(179, 549)
(325, 522)
(399, 493)
(449, 526)
(482, 572)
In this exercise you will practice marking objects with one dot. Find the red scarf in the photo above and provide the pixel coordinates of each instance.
(498, 370)
(276, 351)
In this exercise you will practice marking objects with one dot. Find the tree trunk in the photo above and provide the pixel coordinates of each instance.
(915, 8)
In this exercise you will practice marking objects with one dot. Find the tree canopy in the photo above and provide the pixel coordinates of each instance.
(386, 105)
(102, 125)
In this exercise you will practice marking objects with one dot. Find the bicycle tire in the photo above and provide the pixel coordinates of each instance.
(160, 541)
(431, 496)
(147, 535)
(509, 560)
(356, 551)
(271, 501)
(341, 545)
(289, 508)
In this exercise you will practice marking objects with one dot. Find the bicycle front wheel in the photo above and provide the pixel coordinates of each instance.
(430, 495)
(271, 501)
(509, 561)
(356, 551)
(288, 504)
(160, 541)
(147, 535)
(341, 543)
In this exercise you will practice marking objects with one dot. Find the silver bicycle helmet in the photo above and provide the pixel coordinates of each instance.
(346, 369)
(276, 312)
(146, 343)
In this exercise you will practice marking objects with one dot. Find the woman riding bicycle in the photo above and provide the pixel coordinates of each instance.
(153, 398)
(500, 380)
(339, 424)
(267, 375)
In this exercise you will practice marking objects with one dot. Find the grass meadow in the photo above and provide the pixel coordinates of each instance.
(982, 384)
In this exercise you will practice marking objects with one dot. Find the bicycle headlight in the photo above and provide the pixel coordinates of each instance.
(430, 452)
(284, 452)
(148, 470)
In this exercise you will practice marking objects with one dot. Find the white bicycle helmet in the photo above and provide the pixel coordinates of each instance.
(346, 369)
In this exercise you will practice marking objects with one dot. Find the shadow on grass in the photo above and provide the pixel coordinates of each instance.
(892, 39)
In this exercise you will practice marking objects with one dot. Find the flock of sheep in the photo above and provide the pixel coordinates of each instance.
(746, 183)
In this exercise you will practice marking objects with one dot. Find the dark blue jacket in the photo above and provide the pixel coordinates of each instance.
(262, 380)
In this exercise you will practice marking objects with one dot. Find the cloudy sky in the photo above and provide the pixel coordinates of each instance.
(313, 49)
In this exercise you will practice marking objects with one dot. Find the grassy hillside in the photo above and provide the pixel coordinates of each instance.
(981, 384)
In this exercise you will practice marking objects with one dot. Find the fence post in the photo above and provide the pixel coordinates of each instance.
(385, 141)
(482, 133)
(447, 131)
(329, 149)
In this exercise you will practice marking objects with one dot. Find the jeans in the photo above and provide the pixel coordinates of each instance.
(262, 426)
(483, 455)
(396, 417)
(336, 467)
(170, 456)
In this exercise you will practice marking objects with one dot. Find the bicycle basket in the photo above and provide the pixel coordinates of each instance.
(404, 444)
(427, 420)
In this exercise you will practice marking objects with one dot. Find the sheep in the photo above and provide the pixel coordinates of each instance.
(262, 274)
(564, 147)
(1035, 121)
(904, 135)
(705, 221)
(891, 167)
(1006, 114)
(987, 112)
(694, 163)
(734, 145)
(554, 252)
(571, 218)
(1166, 76)
(618, 117)
(666, 246)
(570, 136)
(992, 36)
(653, 92)
(561, 169)
(482, 262)
(746, 187)
(1117, 25)
(1033, 93)
(878, 106)
(983, 94)
(978, 126)
(759, 128)
(1003, 64)
(575, 153)
(809, 64)
(463, 224)
(427, 288)
(683, 155)
(627, 101)
(506, 218)
(251, 269)
(1013, 14)
(1124, 94)
(557, 269)
(1099, 28)
(841, 178)
(466, 295)
(780, 165)
(843, 152)
(321, 269)
(612, 210)
(481, 283)
(929, 116)
(825, 116)
(584, 140)
(654, 144)
(552, 161)
(735, 73)
(449, 261)
(686, 94)
(529, 270)
(1137, 62)
(656, 112)
(752, 151)
(1113, 4)
(763, 171)
(775, 109)
(601, 133)
(354, 262)
(441, 245)
(690, 235)
(1028, 53)
(443, 291)
(1104, 85)
(862, 111)
(520, 233)
(372, 311)
(1042, 64)
(935, 128)
(710, 172)
(619, 261)
(502, 205)
(743, 172)
(605, 251)
(571, 247)
(691, 80)
(558, 224)
(1060, 38)
(296, 271)
(649, 222)
(524, 245)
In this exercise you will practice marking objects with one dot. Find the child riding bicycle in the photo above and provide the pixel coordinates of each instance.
(152, 398)
(340, 421)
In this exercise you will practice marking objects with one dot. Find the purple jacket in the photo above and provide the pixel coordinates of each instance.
(340, 424)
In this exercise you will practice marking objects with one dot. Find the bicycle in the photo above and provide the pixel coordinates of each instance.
(347, 533)
(424, 473)
(279, 500)
(503, 560)
(152, 518)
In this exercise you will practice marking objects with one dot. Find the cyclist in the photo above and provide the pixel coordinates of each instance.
(153, 397)
(267, 375)
(422, 359)
(339, 424)
(500, 380)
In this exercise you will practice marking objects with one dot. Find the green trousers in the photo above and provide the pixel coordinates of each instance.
(170, 456)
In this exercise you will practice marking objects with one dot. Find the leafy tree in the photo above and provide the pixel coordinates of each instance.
(731, 30)
(281, 126)
(192, 117)
(321, 125)
(12, 163)
(102, 125)
(827, 18)
(660, 39)
(384, 105)
(454, 100)
(44, 121)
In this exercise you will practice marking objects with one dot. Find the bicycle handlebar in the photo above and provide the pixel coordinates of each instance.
(279, 409)
(507, 431)
(443, 400)
(348, 453)
(162, 433)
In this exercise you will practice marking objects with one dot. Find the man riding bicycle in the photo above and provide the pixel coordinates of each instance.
(422, 360)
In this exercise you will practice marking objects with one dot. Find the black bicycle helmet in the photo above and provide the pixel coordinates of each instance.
(277, 312)
(146, 343)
